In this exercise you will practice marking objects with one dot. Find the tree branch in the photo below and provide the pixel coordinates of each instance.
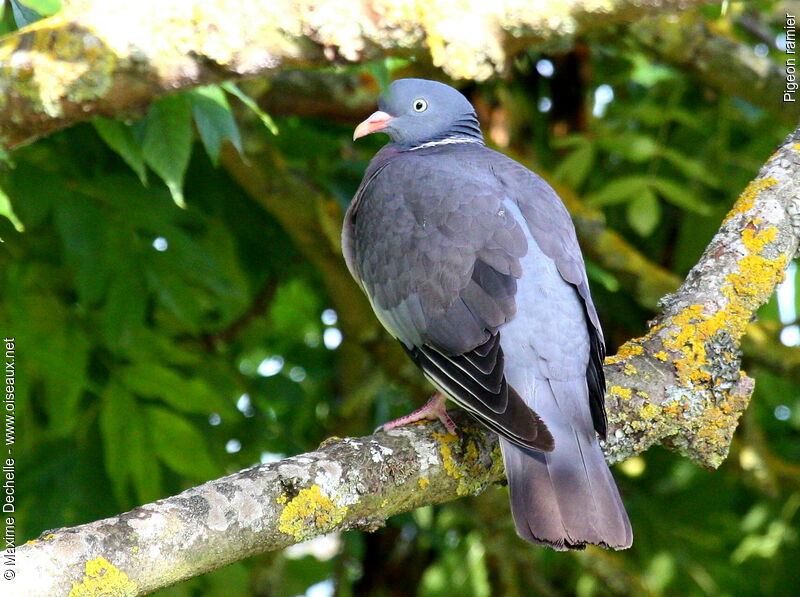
(345, 484)
(680, 385)
(689, 361)
(99, 58)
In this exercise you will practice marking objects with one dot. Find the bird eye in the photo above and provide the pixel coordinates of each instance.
(420, 105)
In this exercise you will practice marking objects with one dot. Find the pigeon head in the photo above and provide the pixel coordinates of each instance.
(416, 111)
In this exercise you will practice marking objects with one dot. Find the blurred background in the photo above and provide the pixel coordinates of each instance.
(160, 346)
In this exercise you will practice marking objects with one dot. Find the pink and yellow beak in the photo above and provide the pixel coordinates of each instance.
(376, 122)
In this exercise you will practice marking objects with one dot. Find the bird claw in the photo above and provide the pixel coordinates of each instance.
(434, 410)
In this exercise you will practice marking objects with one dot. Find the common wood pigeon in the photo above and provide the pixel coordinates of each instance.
(470, 260)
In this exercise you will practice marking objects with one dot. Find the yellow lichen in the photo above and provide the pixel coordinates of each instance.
(447, 454)
(629, 369)
(745, 290)
(624, 393)
(467, 471)
(673, 408)
(755, 240)
(102, 578)
(310, 513)
(49, 537)
(650, 411)
(692, 329)
(713, 429)
(57, 64)
(756, 278)
(661, 355)
(748, 196)
(283, 498)
(629, 349)
(423, 482)
(328, 441)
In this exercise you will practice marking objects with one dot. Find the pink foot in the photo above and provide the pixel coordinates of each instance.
(433, 409)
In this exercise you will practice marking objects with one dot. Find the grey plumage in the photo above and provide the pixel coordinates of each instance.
(470, 260)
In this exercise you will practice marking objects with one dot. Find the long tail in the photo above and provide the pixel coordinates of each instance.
(566, 498)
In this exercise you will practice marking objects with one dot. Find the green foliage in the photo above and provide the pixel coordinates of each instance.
(28, 11)
(159, 346)
(265, 118)
(7, 212)
(167, 141)
(119, 137)
(644, 212)
(215, 122)
(43, 7)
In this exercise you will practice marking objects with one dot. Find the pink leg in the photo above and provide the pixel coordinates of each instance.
(434, 409)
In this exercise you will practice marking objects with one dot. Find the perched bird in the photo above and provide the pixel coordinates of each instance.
(470, 260)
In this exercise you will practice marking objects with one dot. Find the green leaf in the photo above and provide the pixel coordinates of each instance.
(644, 213)
(125, 306)
(250, 103)
(67, 362)
(635, 147)
(167, 143)
(619, 190)
(145, 473)
(576, 166)
(119, 137)
(180, 445)
(115, 414)
(34, 192)
(381, 73)
(44, 7)
(85, 244)
(647, 73)
(678, 195)
(572, 140)
(214, 119)
(127, 446)
(602, 276)
(23, 15)
(187, 395)
(691, 168)
(7, 211)
(176, 296)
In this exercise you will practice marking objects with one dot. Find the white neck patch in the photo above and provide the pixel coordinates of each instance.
(447, 141)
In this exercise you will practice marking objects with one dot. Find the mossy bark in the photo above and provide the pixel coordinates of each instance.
(681, 383)
(96, 57)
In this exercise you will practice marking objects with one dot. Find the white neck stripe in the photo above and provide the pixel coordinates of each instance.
(448, 141)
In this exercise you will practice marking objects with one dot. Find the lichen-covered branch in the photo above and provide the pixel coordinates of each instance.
(345, 484)
(683, 378)
(96, 57)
